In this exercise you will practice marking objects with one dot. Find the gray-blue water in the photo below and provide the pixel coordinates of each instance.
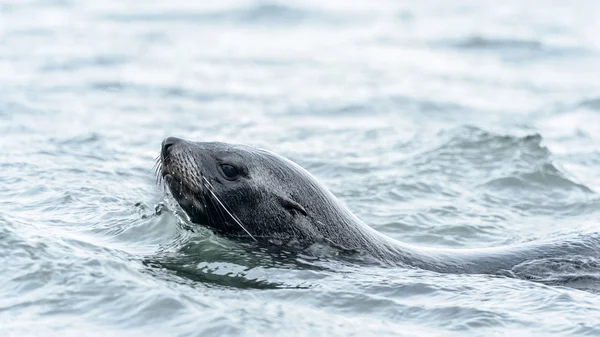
(439, 123)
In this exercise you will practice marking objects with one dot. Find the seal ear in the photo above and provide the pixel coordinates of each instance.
(291, 205)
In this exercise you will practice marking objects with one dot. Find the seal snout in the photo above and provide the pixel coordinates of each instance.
(168, 143)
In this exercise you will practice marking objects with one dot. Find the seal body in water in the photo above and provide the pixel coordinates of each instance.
(253, 194)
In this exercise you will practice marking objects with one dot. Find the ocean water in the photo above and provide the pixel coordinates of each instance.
(455, 124)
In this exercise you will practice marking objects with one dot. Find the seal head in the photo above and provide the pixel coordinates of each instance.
(242, 191)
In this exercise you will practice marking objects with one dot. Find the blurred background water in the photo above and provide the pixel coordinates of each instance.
(439, 123)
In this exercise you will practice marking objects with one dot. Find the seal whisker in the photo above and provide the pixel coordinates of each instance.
(205, 198)
(210, 190)
(219, 206)
(157, 169)
(208, 211)
(219, 214)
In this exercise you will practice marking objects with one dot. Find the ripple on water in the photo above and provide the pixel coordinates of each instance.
(523, 50)
(470, 188)
(271, 14)
(356, 92)
(508, 169)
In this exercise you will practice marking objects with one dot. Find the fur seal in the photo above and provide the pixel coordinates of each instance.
(253, 194)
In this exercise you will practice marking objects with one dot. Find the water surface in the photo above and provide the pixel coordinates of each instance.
(457, 124)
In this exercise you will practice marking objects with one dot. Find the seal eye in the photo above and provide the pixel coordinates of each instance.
(230, 171)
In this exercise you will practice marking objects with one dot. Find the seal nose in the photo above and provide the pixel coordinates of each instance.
(168, 143)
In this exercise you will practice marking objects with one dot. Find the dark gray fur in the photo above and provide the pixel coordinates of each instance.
(279, 202)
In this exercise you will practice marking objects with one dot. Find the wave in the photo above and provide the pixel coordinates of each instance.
(471, 152)
(503, 170)
(513, 47)
(592, 103)
(480, 42)
(257, 14)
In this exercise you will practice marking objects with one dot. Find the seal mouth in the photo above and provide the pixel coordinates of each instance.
(190, 197)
